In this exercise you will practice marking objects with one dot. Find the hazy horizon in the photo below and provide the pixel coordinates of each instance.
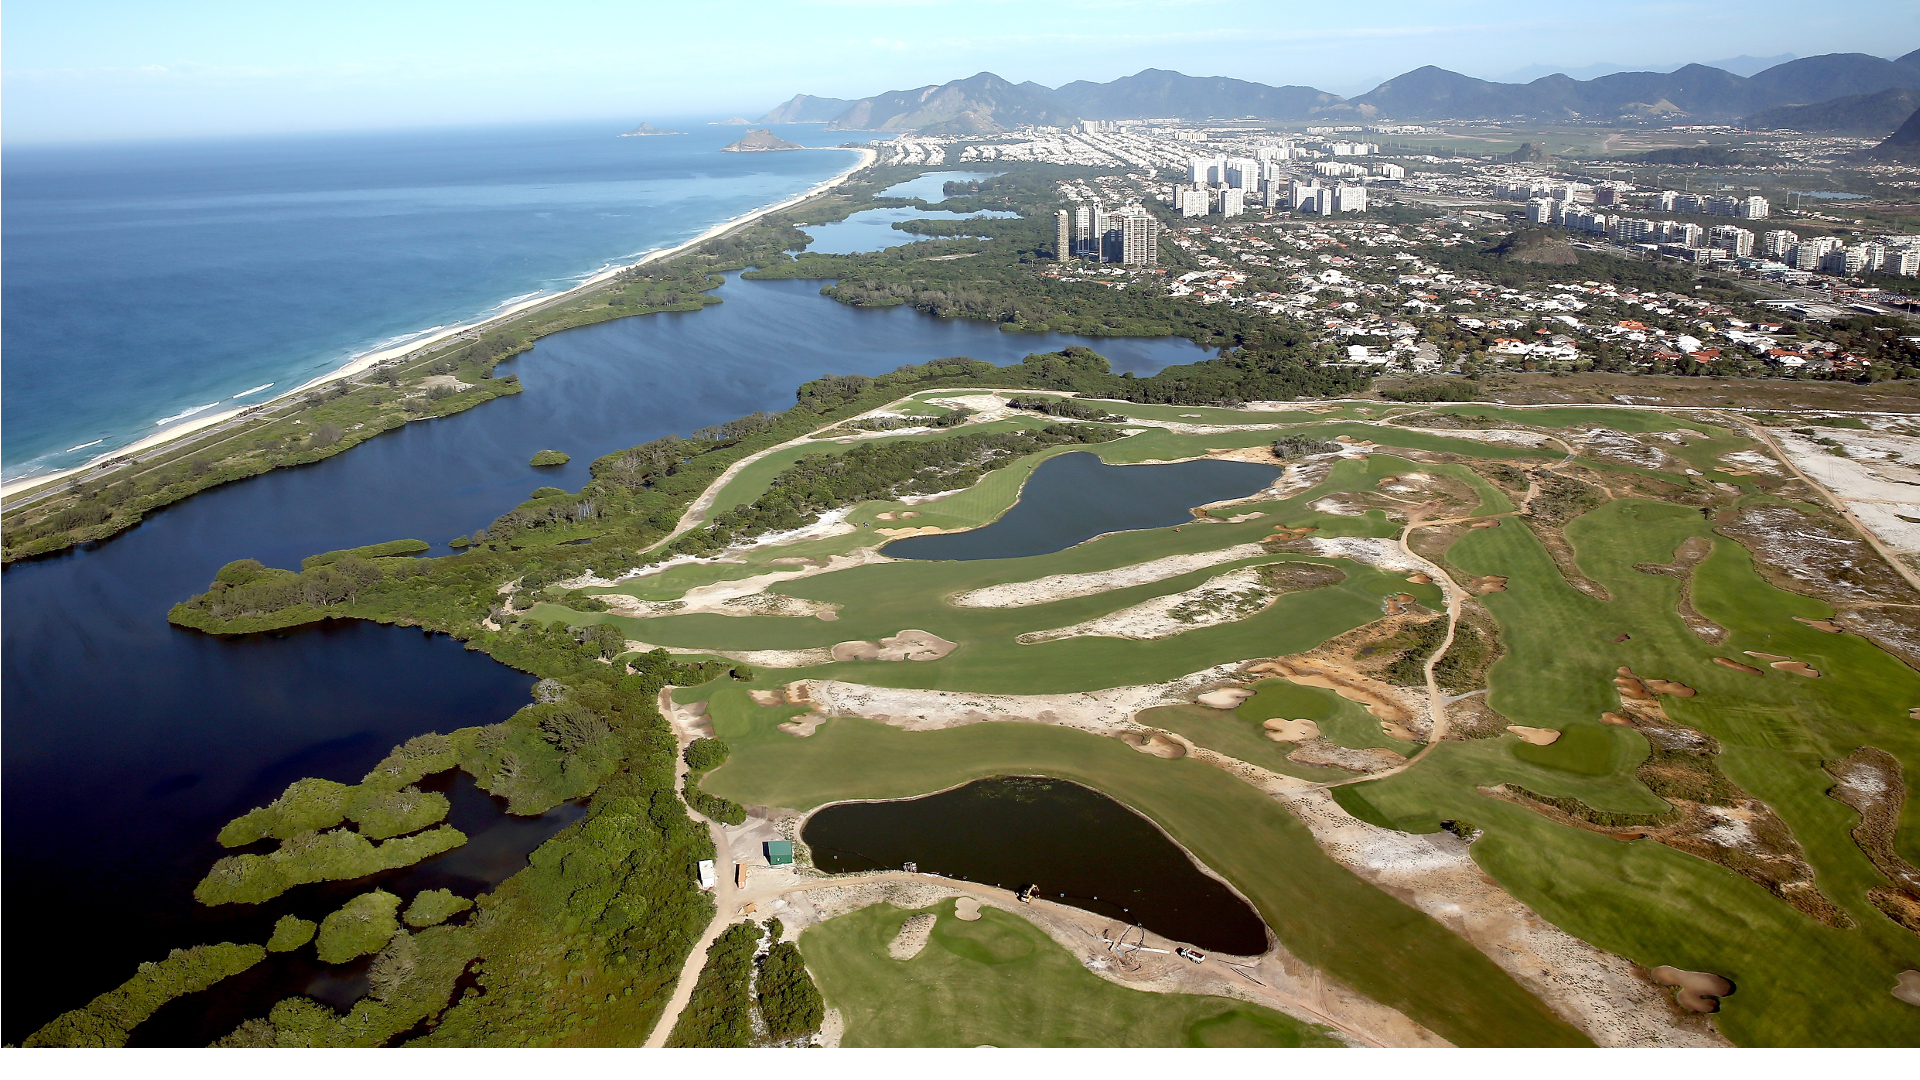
(92, 70)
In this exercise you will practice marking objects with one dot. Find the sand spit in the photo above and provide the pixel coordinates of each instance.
(913, 936)
(1229, 597)
(1046, 590)
(1601, 994)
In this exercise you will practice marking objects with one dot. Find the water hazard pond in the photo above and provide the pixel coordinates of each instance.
(1076, 497)
(1079, 846)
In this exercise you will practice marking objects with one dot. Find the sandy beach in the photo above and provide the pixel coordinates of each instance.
(374, 358)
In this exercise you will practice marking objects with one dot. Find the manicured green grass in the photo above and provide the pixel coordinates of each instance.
(1002, 982)
(1799, 983)
(1320, 911)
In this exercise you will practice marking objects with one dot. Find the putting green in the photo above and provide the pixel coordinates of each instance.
(1002, 982)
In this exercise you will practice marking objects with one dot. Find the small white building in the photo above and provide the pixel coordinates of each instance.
(707, 878)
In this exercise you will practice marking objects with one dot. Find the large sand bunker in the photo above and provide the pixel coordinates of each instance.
(1230, 697)
(1796, 667)
(1907, 988)
(1291, 730)
(1735, 665)
(912, 937)
(1377, 697)
(1068, 586)
(905, 645)
(966, 909)
(1229, 597)
(1538, 736)
(1697, 991)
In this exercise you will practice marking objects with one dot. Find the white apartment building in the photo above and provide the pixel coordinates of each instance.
(1191, 200)
(1777, 243)
(1736, 242)
(1232, 201)
(1140, 237)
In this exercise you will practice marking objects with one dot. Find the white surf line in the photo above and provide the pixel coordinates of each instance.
(255, 390)
(83, 446)
(183, 415)
(372, 359)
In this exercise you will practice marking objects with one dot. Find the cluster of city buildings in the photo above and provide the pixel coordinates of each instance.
(1129, 235)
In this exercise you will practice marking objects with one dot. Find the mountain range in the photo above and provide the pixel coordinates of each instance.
(987, 103)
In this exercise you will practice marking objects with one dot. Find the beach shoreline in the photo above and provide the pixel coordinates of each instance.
(371, 359)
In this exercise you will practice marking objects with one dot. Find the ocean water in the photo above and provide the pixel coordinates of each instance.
(146, 282)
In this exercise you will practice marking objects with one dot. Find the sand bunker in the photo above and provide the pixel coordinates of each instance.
(1226, 698)
(1907, 989)
(898, 534)
(1291, 730)
(1795, 667)
(1616, 719)
(1489, 523)
(1538, 736)
(802, 726)
(1229, 597)
(1735, 665)
(1697, 991)
(1492, 583)
(893, 515)
(1159, 746)
(1068, 586)
(1825, 626)
(966, 909)
(1421, 579)
(912, 936)
(905, 645)
(1372, 550)
(1634, 688)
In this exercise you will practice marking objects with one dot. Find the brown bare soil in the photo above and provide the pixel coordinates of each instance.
(1711, 817)
(1473, 718)
(1327, 755)
(1605, 388)
(1735, 665)
(1871, 782)
(1696, 991)
(1808, 550)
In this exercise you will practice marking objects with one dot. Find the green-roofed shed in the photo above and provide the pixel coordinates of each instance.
(779, 853)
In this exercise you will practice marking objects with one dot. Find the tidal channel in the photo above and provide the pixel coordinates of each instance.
(1076, 845)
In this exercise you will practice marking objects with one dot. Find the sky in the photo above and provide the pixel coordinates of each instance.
(89, 70)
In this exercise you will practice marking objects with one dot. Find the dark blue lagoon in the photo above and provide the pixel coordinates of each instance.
(1076, 497)
(128, 742)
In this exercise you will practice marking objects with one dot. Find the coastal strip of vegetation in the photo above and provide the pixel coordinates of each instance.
(435, 381)
(109, 1019)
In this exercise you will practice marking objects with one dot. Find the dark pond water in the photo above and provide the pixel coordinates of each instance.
(872, 230)
(128, 743)
(1079, 846)
(1076, 497)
